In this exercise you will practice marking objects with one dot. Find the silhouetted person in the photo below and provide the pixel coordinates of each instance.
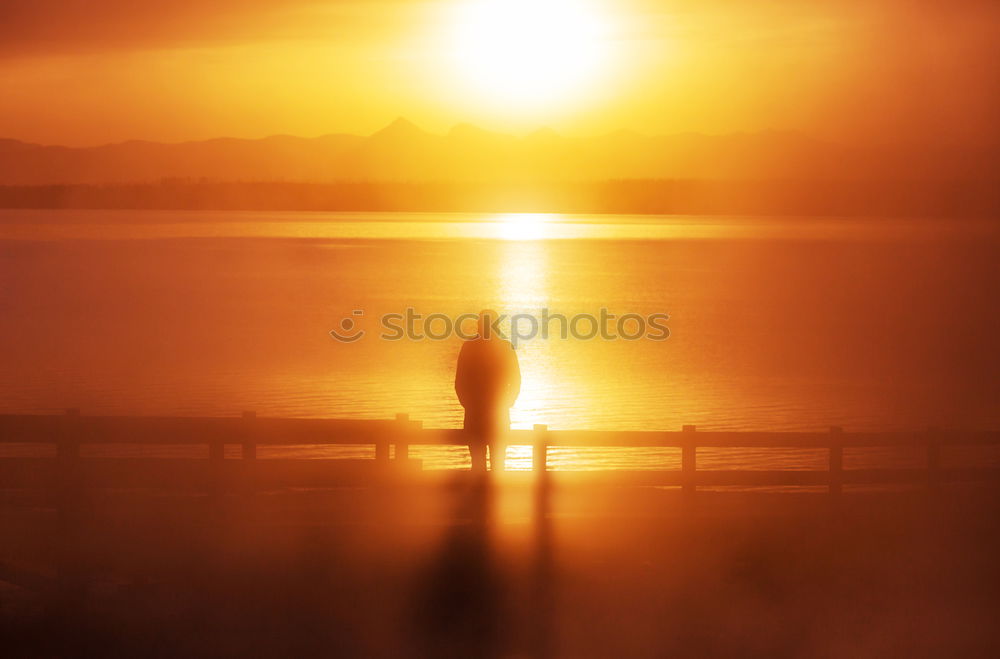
(487, 381)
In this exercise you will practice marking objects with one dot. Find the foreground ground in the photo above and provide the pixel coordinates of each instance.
(466, 569)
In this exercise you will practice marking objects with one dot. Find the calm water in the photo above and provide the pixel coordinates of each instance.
(775, 323)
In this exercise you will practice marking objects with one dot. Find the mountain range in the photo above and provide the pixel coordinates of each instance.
(404, 152)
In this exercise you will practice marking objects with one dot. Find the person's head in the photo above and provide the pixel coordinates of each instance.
(485, 324)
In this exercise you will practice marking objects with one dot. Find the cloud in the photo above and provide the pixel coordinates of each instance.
(60, 27)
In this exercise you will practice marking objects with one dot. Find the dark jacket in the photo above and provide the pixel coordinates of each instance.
(487, 381)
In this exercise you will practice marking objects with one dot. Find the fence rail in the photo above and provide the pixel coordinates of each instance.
(70, 431)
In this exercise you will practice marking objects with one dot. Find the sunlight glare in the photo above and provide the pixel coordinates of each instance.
(523, 226)
(529, 52)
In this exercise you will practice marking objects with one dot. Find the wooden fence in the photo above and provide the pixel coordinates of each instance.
(69, 473)
(72, 430)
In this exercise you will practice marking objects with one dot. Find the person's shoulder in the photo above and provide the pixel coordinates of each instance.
(472, 344)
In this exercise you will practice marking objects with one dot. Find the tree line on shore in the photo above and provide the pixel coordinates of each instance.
(641, 196)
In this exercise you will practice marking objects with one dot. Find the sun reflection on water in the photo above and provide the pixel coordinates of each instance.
(523, 288)
(524, 226)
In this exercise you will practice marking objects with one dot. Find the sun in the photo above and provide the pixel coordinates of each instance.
(523, 226)
(529, 52)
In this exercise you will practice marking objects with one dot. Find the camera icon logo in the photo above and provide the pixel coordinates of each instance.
(348, 332)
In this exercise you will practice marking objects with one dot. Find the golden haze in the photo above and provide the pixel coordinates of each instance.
(87, 73)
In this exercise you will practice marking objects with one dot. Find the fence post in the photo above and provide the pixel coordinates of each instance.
(249, 435)
(689, 465)
(934, 459)
(836, 461)
(402, 438)
(216, 464)
(382, 449)
(68, 451)
(249, 451)
(69, 578)
(539, 454)
(68, 445)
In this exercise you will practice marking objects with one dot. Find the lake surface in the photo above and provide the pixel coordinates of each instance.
(781, 324)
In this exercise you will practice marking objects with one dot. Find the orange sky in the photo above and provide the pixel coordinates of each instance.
(83, 72)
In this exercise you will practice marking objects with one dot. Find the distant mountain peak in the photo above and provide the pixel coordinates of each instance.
(401, 127)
